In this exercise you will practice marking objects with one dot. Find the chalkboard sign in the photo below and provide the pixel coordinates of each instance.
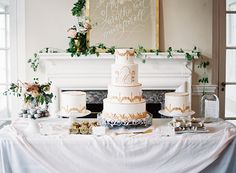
(124, 23)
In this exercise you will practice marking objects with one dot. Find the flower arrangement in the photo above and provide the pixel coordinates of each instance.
(78, 37)
(36, 98)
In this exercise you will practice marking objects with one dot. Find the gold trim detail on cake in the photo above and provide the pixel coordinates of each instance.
(181, 109)
(123, 117)
(74, 109)
(131, 99)
(126, 54)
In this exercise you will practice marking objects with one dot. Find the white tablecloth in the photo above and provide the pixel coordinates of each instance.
(149, 153)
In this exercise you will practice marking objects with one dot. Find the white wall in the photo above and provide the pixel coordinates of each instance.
(183, 24)
(47, 22)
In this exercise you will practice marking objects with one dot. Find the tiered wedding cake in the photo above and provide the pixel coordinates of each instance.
(124, 104)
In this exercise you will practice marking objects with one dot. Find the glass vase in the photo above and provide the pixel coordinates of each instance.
(210, 106)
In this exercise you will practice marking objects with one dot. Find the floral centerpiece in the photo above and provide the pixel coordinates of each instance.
(78, 37)
(36, 98)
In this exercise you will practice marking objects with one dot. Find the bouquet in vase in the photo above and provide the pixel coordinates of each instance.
(36, 98)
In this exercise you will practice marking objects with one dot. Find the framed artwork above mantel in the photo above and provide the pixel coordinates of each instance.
(124, 23)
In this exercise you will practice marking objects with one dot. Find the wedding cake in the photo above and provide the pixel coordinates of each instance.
(177, 103)
(72, 102)
(124, 104)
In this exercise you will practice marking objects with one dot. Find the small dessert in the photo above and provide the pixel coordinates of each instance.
(84, 130)
(84, 127)
(188, 125)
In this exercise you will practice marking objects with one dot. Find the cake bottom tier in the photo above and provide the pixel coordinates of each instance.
(110, 107)
(124, 114)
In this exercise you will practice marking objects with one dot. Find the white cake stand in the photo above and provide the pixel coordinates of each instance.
(73, 115)
(167, 114)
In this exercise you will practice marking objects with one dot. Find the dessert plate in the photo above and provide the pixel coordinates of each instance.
(163, 112)
(75, 114)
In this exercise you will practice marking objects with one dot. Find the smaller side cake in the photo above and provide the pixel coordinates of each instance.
(72, 102)
(177, 103)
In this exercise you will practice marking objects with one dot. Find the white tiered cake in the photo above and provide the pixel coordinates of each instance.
(124, 104)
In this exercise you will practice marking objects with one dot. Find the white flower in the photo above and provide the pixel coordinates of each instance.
(85, 27)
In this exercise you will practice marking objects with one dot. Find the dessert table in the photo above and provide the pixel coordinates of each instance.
(54, 150)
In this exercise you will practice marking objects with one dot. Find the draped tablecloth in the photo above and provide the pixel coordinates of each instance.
(149, 153)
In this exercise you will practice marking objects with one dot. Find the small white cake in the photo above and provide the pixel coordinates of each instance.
(177, 103)
(72, 102)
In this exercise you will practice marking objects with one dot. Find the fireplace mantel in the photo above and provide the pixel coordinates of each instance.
(94, 73)
(61, 65)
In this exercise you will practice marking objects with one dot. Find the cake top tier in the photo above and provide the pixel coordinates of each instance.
(124, 56)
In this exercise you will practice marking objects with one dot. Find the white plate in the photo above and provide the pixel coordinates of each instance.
(75, 114)
(163, 112)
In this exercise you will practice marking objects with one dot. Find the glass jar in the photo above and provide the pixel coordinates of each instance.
(210, 106)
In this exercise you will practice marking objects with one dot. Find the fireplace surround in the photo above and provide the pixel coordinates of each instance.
(93, 74)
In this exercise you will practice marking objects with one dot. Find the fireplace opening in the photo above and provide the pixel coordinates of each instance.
(154, 101)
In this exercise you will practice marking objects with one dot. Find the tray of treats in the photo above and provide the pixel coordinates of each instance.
(191, 125)
(83, 128)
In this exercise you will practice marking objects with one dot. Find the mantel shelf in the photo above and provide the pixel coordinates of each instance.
(67, 56)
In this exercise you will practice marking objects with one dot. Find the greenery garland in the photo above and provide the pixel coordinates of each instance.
(78, 45)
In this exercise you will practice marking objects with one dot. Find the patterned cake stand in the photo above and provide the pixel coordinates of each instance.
(145, 122)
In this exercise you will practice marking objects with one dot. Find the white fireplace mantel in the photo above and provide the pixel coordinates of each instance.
(94, 73)
(159, 72)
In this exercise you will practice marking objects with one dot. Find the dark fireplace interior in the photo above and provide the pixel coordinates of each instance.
(154, 99)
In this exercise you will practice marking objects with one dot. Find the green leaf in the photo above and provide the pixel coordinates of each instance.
(157, 52)
(78, 8)
(180, 50)
(169, 52)
(101, 46)
(169, 49)
(189, 57)
(111, 50)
